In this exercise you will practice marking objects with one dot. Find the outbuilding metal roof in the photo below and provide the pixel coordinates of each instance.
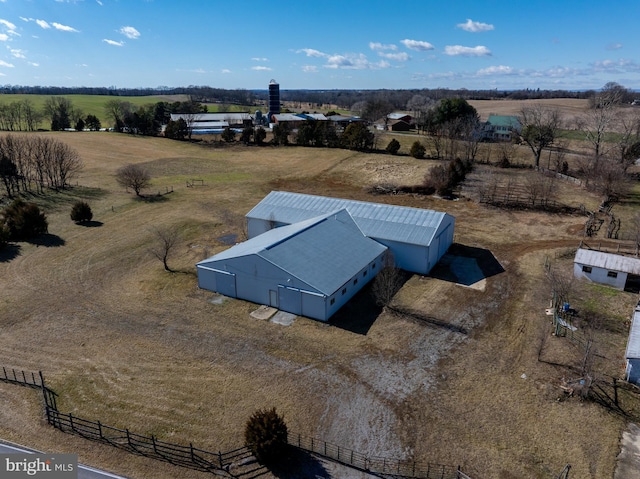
(633, 343)
(324, 252)
(608, 261)
(376, 220)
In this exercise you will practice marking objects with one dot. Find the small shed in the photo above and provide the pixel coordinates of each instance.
(618, 271)
(310, 268)
(632, 354)
(418, 238)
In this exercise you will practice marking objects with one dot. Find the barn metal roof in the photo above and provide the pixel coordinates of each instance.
(376, 220)
(223, 116)
(325, 251)
(633, 343)
(608, 261)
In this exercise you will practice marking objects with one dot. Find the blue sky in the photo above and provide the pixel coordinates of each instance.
(321, 44)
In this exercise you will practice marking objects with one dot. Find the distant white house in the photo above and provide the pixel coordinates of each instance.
(501, 127)
(621, 272)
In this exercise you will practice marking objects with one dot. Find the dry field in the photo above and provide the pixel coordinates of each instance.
(122, 341)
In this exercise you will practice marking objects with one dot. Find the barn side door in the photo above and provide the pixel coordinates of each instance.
(226, 283)
(290, 300)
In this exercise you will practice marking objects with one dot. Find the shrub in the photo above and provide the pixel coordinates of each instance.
(4, 236)
(417, 150)
(393, 147)
(266, 435)
(24, 220)
(81, 212)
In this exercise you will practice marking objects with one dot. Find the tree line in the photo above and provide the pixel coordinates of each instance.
(341, 98)
(31, 164)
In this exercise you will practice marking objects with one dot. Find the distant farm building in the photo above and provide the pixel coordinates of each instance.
(501, 127)
(214, 122)
(417, 238)
(621, 272)
(309, 255)
(310, 268)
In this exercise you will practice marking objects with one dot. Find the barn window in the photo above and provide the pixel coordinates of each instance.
(333, 300)
(373, 266)
(586, 269)
(612, 274)
(344, 290)
(364, 274)
(355, 281)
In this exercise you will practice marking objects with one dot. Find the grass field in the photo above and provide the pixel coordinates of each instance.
(122, 341)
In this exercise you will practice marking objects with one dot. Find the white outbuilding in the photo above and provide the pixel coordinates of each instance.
(417, 237)
(632, 354)
(618, 271)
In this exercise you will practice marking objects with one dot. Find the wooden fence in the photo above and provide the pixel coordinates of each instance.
(236, 463)
(377, 465)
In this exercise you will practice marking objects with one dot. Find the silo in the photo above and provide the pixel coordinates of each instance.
(274, 98)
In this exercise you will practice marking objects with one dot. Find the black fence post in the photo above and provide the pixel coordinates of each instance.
(71, 422)
(193, 456)
(100, 431)
(220, 459)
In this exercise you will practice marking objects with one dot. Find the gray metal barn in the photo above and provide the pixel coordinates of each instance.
(310, 268)
(418, 238)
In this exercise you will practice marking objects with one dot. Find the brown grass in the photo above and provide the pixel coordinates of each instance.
(122, 341)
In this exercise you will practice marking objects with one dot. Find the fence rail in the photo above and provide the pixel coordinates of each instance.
(378, 465)
(236, 463)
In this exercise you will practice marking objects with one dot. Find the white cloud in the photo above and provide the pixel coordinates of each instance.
(17, 53)
(310, 69)
(380, 46)
(261, 69)
(7, 24)
(474, 27)
(621, 65)
(113, 42)
(130, 32)
(4, 37)
(399, 57)
(496, 70)
(63, 28)
(353, 62)
(459, 50)
(226, 70)
(257, 59)
(417, 45)
(34, 64)
(99, 2)
(5, 64)
(43, 24)
(614, 46)
(310, 52)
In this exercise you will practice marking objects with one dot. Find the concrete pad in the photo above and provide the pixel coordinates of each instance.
(283, 318)
(628, 462)
(217, 299)
(263, 312)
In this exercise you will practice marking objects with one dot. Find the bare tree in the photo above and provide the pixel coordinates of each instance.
(595, 123)
(134, 177)
(165, 240)
(388, 281)
(540, 127)
(609, 179)
(117, 111)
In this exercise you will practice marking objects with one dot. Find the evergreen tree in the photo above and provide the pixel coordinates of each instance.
(266, 435)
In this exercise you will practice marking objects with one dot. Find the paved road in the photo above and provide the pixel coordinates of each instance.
(84, 472)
